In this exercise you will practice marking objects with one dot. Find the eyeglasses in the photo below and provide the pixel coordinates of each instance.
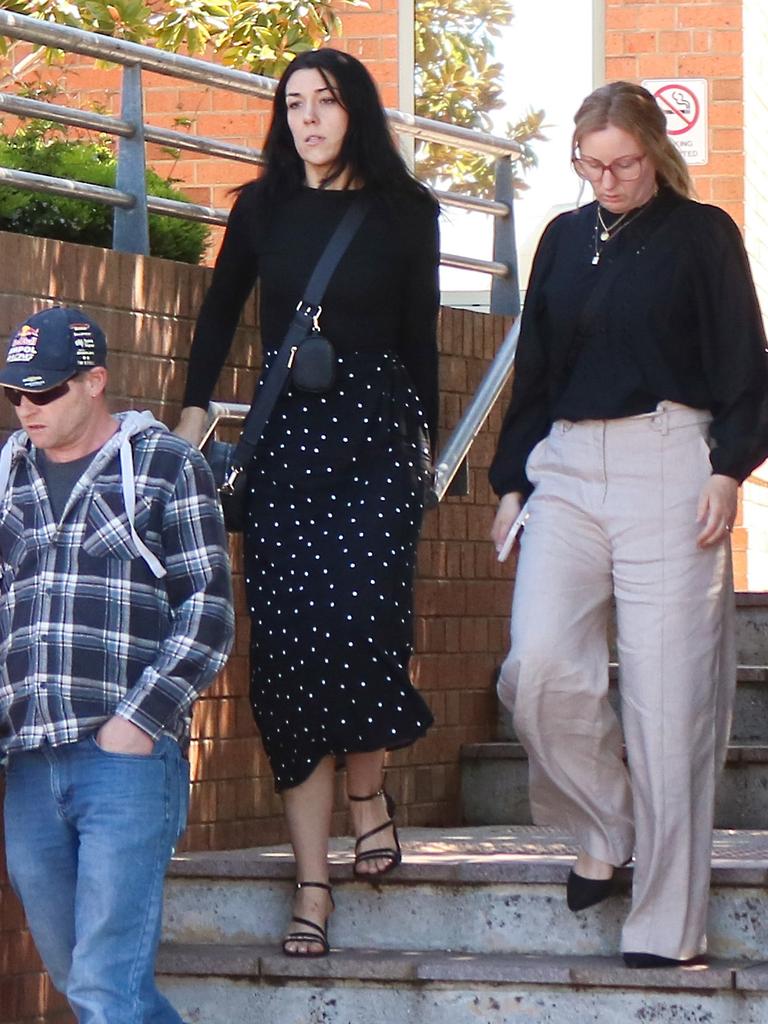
(37, 397)
(626, 168)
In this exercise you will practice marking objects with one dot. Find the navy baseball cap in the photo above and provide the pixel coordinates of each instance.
(51, 347)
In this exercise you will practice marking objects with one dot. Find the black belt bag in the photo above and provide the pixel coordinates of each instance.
(313, 367)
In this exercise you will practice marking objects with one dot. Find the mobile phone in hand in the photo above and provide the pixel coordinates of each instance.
(514, 529)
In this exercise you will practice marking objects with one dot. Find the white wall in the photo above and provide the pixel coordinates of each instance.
(552, 54)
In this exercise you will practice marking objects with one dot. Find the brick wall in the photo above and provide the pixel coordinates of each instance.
(147, 307)
(692, 39)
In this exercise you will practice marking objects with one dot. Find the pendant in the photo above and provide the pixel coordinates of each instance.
(595, 259)
(604, 236)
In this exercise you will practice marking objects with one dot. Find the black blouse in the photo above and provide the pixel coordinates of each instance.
(383, 296)
(679, 322)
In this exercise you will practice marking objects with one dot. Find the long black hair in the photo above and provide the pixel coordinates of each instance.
(368, 154)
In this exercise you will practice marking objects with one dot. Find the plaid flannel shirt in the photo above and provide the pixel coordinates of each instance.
(124, 607)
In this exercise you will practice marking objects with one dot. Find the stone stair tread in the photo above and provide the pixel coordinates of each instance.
(753, 978)
(479, 854)
(745, 753)
(265, 962)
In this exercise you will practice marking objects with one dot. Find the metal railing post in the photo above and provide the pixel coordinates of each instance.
(505, 291)
(130, 228)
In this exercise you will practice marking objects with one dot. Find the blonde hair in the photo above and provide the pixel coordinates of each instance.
(633, 109)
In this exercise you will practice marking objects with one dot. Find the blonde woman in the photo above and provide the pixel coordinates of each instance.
(638, 407)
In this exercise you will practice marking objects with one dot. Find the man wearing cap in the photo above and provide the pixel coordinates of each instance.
(115, 612)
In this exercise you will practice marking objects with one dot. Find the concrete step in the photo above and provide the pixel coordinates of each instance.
(752, 628)
(750, 711)
(750, 718)
(494, 786)
(473, 892)
(218, 984)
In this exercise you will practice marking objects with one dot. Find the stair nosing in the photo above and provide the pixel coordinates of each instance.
(265, 963)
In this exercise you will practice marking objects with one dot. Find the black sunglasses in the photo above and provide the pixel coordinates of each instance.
(15, 396)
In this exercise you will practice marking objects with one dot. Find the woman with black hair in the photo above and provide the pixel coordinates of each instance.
(335, 489)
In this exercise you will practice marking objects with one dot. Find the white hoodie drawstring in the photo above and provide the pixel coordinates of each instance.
(129, 496)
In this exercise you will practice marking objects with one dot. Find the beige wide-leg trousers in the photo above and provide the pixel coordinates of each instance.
(614, 513)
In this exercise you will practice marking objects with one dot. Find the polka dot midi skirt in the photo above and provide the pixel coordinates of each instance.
(335, 507)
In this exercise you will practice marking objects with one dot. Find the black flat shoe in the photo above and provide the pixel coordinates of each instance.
(640, 960)
(583, 892)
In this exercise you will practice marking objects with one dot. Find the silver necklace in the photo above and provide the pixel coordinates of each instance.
(607, 233)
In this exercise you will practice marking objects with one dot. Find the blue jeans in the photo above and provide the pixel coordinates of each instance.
(88, 838)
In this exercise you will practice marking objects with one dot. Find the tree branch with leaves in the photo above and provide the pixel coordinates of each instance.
(458, 80)
(257, 35)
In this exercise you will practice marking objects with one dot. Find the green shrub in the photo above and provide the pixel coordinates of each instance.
(39, 148)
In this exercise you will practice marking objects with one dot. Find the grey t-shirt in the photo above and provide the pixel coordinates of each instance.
(61, 477)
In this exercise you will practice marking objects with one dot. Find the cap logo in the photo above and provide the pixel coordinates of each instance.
(84, 343)
(23, 347)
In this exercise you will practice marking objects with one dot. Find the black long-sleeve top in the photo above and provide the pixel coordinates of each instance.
(680, 322)
(383, 295)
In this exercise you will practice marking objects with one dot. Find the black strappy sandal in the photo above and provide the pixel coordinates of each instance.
(319, 934)
(391, 853)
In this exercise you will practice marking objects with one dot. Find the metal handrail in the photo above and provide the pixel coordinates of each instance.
(493, 267)
(463, 434)
(131, 226)
(492, 207)
(188, 211)
(23, 107)
(68, 188)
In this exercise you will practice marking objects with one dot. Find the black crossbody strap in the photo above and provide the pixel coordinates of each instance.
(303, 319)
(334, 250)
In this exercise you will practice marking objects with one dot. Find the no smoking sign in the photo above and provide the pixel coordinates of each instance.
(684, 103)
